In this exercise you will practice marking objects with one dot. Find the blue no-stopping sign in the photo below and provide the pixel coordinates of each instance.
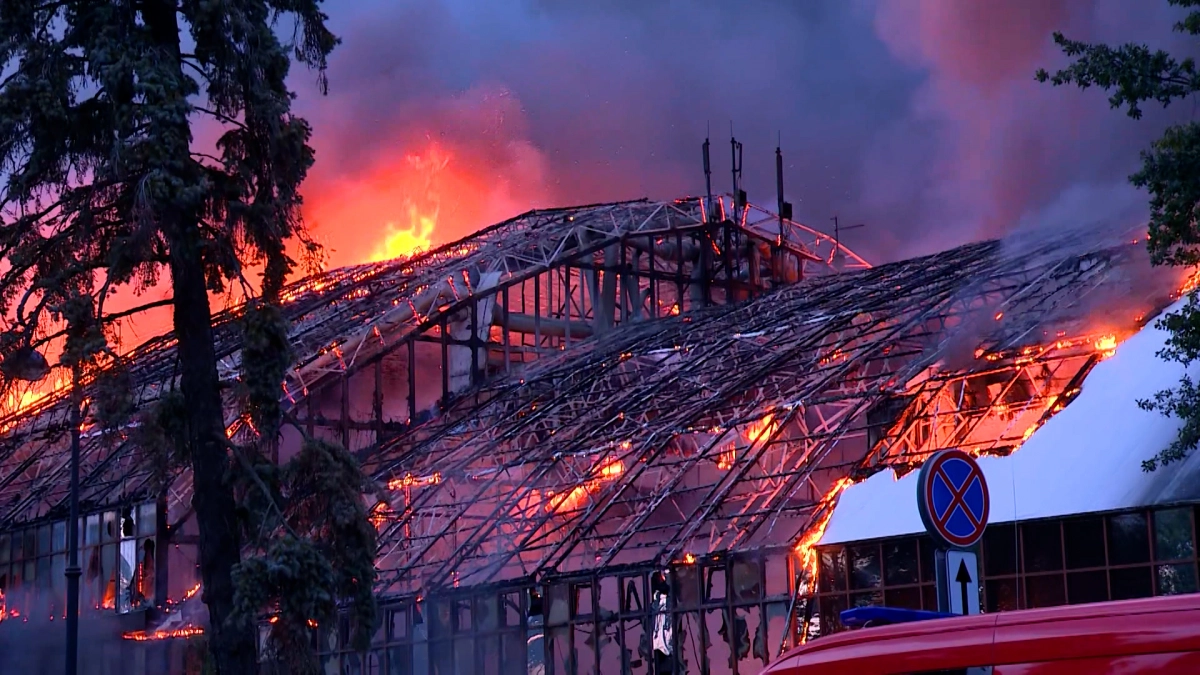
(952, 496)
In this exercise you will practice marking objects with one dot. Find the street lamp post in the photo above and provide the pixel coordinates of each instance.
(73, 571)
(28, 365)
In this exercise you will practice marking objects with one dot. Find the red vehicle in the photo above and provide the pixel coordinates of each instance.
(1129, 637)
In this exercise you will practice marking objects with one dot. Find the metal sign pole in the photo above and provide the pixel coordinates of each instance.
(953, 499)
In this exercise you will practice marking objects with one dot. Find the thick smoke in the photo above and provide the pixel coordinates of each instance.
(920, 118)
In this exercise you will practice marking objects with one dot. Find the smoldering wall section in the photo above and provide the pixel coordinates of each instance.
(920, 119)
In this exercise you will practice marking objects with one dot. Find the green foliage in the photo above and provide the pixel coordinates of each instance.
(1134, 74)
(96, 108)
(113, 403)
(322, 552)
(266, 356)
(161, 434)
(102, 189)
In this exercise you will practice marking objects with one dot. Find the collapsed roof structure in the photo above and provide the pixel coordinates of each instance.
(582, 412)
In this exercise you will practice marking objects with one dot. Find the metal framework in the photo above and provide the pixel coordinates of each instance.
(582, 397)
(724, 429)
(384, 345)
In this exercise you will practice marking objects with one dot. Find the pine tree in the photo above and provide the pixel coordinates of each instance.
(1134, 75)
(103, 190)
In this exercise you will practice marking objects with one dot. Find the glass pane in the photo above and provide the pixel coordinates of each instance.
(60, 536)
(43, 540)
(1083, 587)
(929, 598)
(714, 584)
(1173, 534)
(868, 599)
(398, 624)
(1041, 544)
(864, 567)
(146, 520)
(1084, 542)
(110, 531)
(58, 573)
(1128, 540)
(43, 573)
(999, 550)
(831, 613)
(92, 531)
(900, 562)
(147, 566)
(928, 568)
(487, 613)
(905, 598)
(1045, 590)
(832, 574)
(1176, 579)
(108, 576)
(127, 524)
(1001, 595)
(4, 548)
(400, 660)
(777, 576)
(746, 578)
(1130, 583)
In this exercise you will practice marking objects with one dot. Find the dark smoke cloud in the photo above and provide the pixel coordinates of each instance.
(918, 117)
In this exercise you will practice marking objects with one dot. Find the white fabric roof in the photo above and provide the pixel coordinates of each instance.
(1086, 458)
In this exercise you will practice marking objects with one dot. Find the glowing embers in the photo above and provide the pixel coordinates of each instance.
(1104, 344)
(577, 497)
(410, 480)
(756, 431)
(1191, 283)
(564, 501)
(147, 636)
(380, 514)
(173, 627)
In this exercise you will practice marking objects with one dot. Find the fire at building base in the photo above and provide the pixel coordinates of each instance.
(610, 436)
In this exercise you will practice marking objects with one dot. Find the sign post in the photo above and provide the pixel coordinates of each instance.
(952, 496)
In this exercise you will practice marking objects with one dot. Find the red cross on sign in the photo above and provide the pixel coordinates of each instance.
(952, 496)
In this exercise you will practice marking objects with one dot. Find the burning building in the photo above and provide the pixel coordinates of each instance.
(609, 435)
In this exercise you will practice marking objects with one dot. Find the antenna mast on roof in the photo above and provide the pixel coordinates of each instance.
(784, 208)
(739, 195)
(708, 202)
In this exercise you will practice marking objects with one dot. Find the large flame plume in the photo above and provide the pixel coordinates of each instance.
(421, 210)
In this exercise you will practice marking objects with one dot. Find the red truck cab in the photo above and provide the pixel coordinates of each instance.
(1129, 637)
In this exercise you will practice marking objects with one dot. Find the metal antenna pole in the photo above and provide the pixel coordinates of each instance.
(73, 571)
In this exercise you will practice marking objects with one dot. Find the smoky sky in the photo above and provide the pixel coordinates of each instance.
(919, 118)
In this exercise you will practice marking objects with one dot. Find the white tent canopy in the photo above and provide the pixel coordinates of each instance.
(1085, 459)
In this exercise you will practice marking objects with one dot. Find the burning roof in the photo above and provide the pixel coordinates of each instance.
(731, 428)
(718, 409)
(342, 317)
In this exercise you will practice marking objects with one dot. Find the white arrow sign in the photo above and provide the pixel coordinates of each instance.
(962, 582)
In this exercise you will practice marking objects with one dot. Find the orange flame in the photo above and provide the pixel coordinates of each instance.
(1191, 283)
(762, 428)
(146, 636)
(806, 548)
(402, 242)
(606, 470)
